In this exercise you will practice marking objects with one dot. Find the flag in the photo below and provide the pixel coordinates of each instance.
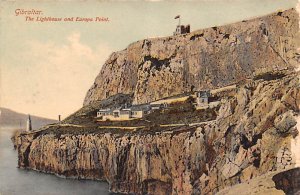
(177, 17)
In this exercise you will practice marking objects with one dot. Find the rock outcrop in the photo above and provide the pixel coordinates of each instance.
(155, 68)
(253, 132)
(251, 137)
(284, 182)
(275, 183)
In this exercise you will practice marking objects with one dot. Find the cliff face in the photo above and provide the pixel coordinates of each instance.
(252, 135)
(155, 68)
(253, 132)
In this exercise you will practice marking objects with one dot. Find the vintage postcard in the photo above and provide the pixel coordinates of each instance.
(149, 97)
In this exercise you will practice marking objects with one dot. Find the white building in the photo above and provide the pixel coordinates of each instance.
(202, 98)
(139, 111)
(135, 111)
(28, 124)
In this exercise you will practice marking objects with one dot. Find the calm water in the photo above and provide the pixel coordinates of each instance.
(18, 181)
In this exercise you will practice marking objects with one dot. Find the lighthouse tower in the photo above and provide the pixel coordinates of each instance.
(28, 125)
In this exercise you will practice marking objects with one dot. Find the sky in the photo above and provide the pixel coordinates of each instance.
(46, 68)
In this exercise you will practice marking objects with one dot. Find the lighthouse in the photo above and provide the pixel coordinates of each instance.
(28, 124)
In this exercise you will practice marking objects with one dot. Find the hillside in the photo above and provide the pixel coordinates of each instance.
(155, 68)
(251, 135)
(10, 118)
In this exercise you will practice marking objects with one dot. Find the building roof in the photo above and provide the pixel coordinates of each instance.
(140, 107)
(105, 110)
(203, 94)
(156, 105)
(124, 112)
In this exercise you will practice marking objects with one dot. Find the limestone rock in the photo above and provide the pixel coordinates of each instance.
(285, 122)
(250, 137)
(203, 160)
(288, 181)
(155, 68)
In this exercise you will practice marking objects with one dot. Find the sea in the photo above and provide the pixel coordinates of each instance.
(28, 182)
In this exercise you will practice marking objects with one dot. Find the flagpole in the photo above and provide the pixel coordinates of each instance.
(178, 17)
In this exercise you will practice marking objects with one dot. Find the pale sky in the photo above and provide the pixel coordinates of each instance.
(47, 67)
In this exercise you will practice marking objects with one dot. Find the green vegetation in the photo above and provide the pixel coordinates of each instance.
(85, 122)
(268, 76)
(87, 113)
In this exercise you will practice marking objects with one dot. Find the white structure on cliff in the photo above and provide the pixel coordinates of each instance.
(202, 98)
(295, 145)
(28, 124)
(124, 113)
(181, 29)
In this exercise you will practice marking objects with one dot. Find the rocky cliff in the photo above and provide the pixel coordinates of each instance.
(151, 69)
(252, 135)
